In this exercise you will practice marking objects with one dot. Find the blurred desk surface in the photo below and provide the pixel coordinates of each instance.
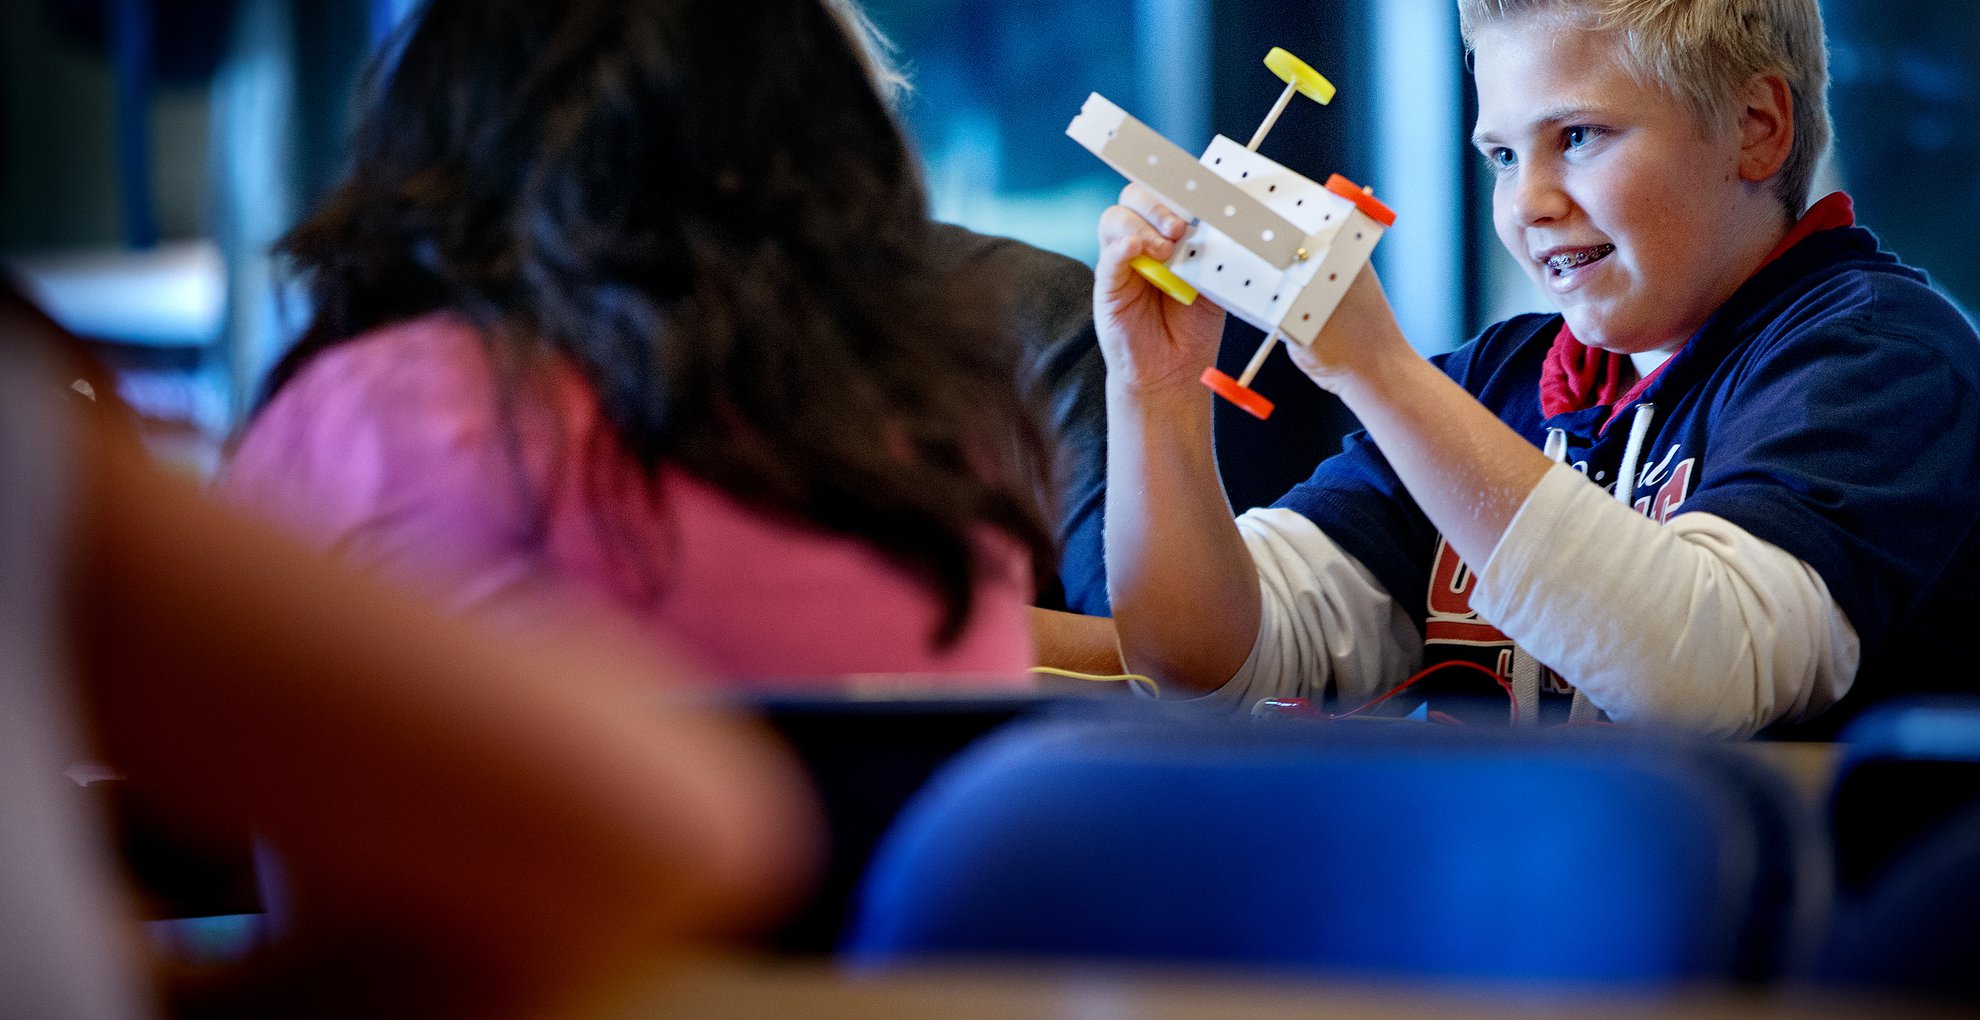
(1807, 766)
(776, 989)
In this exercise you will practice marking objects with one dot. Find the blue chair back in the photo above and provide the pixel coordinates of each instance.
(1905, 768)
(1380, 850)
(1914, 933)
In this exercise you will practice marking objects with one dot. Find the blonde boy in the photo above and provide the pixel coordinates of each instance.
(1731, 484)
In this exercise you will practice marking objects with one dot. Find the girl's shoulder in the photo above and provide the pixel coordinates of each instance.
(414, 364)
(407, 417)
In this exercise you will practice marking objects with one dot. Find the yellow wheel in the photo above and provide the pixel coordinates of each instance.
(1293, 71)
(1159, 275)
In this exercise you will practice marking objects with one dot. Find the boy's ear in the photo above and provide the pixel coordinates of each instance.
(1766, 127)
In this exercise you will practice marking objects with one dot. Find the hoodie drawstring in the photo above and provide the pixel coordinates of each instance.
(1639, 430)
(1556, 448)
(1581, 709)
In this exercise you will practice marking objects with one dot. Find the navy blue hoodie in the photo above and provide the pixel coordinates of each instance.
(1831, 408)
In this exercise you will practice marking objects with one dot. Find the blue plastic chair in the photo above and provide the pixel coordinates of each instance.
(1914, 933)
(1379, 851)
(1905, 768)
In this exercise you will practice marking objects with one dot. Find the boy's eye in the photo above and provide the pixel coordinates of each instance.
(1500, 158)
(1579, 135)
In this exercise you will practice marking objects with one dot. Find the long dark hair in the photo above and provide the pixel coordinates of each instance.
(706, 208)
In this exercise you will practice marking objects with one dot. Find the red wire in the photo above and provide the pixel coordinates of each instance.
(1504, 684)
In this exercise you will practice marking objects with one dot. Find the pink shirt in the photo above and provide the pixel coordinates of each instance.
(390, 452)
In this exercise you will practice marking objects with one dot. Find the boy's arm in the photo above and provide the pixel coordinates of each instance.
(1326, 619)
(1471, 474)
(1468, 470)
(1185, 595)
(1714, 630)
(1720, 632)
(1173, 552)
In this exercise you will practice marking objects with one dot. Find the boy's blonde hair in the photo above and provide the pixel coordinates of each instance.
(1703, 52)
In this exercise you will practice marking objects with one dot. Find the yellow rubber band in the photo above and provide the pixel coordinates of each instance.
(1135, 680)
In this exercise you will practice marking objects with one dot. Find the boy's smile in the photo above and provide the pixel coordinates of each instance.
(1563, 261)
(1633, 218)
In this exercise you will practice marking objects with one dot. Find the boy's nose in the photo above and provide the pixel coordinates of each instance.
(1538, 198)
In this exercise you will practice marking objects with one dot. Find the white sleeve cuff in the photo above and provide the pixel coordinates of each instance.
(1324, 618)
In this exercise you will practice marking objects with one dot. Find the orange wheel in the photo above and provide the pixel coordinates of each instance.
(1368, 203)
(1249, 399)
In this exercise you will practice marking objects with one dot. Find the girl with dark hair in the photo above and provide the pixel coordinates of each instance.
(633, 300)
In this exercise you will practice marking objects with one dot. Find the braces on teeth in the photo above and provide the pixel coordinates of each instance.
(1570, 260)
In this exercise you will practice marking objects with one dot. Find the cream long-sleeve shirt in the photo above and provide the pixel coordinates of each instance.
(1694, 623)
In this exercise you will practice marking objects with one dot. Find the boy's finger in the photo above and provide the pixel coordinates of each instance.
(1116, 275)
(1120, 222)
(1164, 219)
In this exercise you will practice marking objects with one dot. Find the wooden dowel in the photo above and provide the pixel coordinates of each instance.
(1272, 118)
(1258, 359)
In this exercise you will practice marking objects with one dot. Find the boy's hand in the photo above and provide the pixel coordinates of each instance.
(1151, 342)
(1362, 330)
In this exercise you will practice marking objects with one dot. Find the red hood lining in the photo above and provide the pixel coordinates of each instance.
(1576, 376)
